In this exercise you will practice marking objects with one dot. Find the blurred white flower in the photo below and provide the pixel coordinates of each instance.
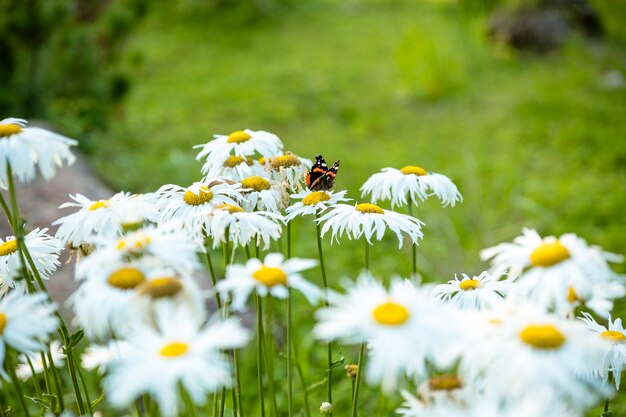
(26, 322)
(24, 147)
(475, 293)
(314, 202)
(229, 222)
(181, 353)
(403, 328)
(243, 143)
(43, 248)
(555, 272)
(23, 369)
(272, 276)
(99, 356)
(413, 181)
(614, 340)
(369, 220)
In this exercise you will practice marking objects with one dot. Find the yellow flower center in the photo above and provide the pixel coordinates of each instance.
(174, 349)
(572, 297)
(161, 287)
(315, 197)
(542, 336)
(99, 204)
(229, 207)
(369, 208)
(445, 382)
(285, 161)
(8, 247)
(612, 335)
(262, 160)
(413, 170)
(256, 183)
(390, 314)
(126, 278)
(234, 160)
(134, 243)
(10, 129)
(469, 284)
(549, 254)
(204, 196)
(238, 136)
(3, 321)
(270, 276)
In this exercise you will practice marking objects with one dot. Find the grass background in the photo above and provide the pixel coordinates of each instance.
(530, 140)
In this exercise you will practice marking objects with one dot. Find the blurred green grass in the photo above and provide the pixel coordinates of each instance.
(530, 141)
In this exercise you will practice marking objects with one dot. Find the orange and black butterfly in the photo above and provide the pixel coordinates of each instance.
(321, 178)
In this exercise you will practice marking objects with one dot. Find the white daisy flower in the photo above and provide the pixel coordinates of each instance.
(395, 184)
(369, 220)
(23, 147)
(180, 353)
(596, 296)
(614, 340)
(99, 356)
(172, 246)
(551, 266)
(106, 306)
(103, 217)
(24, 370)
(314, 202)
(403, 328)
(26, 321)
(529, 352)
(475, 293)
(242, 143)
(289, 169)
(234, 168)
(262, 194)
(43, 248)
(230, 223)
(272, 276)
(193, 204)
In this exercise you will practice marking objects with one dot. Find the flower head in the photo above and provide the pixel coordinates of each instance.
(231, 223)
(473, 293)
(314, 202)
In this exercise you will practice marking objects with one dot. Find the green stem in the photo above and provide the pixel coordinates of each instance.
(303, 386)
(10, 365)
(267, 349)
(259, 351)
(34, 376)
(367, 255)
(7, 212)
(46, 375)
(84, 385)
(189, 405)
(55, 379)
(209, 264)
(357, 384)
(72, 370)
(329, 347)
(239, 405)
(289, 336)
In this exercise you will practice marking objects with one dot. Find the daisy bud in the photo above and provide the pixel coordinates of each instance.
(352, 370)
(326, 408)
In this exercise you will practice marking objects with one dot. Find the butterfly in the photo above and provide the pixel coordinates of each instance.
(321, 178)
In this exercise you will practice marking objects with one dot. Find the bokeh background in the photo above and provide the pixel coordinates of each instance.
(521, 102)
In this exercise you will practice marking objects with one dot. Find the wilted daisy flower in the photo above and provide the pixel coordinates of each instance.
(43, 248)
(242, 143)
(105, 305)
(99, 356)
(23, 147)
(26, 320)
(290, 170)
(172, 246)
(614, 339)
(103, 217)
(24, 370)
(403, 327)
(272, 276)
(231, 223)
(234, 168)
(192, 205)
(180, 353)
(419, 184)
(555, 269)
(262, 194)
(369, 220)
(550, 354)
(475, 293)
(314, 202)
